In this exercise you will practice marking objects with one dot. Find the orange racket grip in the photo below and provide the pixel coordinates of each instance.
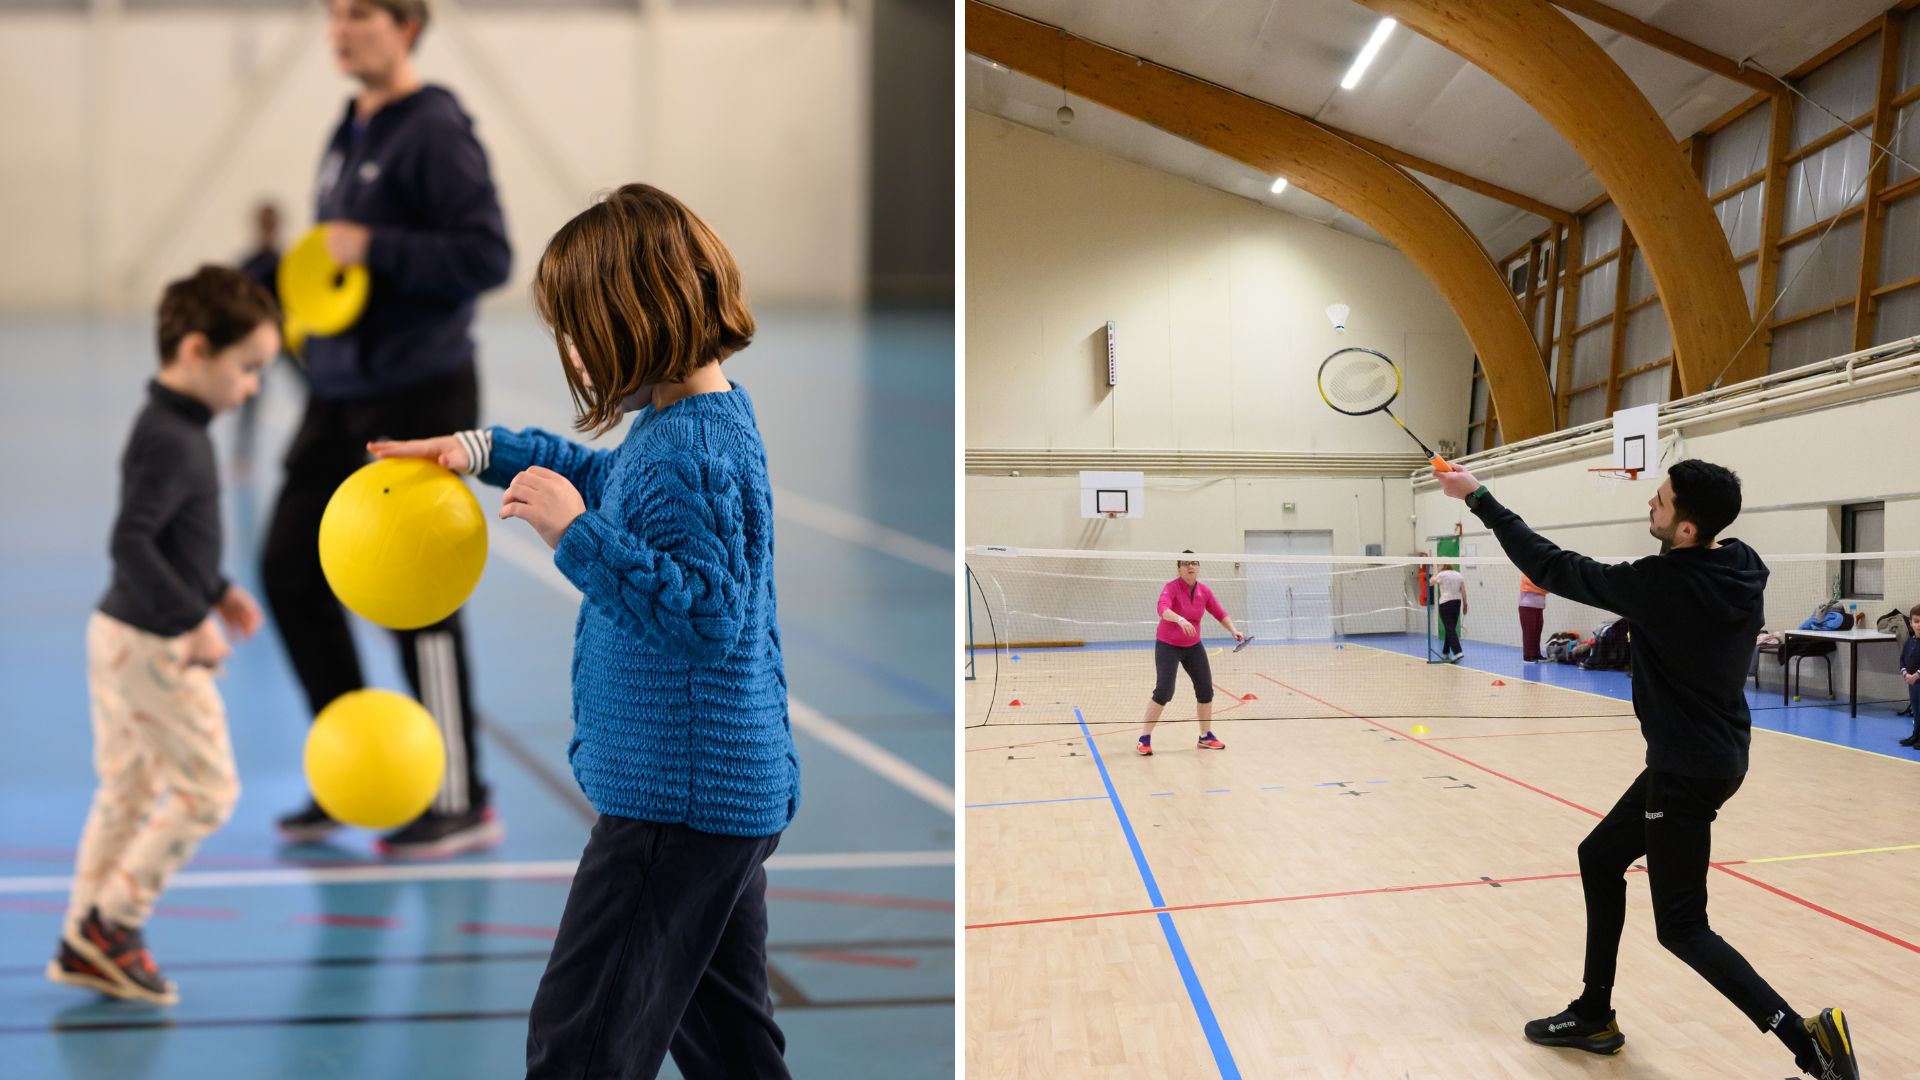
(1440, 463)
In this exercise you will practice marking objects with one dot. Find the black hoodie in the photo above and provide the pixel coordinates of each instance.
(416, 176)
(1694, 612)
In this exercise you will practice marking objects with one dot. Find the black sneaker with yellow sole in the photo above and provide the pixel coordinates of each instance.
(1832, 1047)
(1568, 1029)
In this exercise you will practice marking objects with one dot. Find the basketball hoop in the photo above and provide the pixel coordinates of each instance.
(1617, 474)
(1110, 515)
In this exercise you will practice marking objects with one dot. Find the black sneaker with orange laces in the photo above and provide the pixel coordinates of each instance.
(118, 955)
(69, 968)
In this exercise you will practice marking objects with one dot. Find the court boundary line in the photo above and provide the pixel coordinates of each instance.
(1196, 993)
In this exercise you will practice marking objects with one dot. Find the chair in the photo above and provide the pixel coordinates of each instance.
(1791, 655)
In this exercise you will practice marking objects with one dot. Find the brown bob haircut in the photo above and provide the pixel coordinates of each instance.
(219, 302)
(645, 292)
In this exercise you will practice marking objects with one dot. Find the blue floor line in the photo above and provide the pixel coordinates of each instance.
(1197, 994)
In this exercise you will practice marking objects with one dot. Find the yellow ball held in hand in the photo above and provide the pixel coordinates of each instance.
(1419, 729)
(323, 297)
(403, 542)
(374, 759)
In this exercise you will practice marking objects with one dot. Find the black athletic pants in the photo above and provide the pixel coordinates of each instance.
(330, 444)
(1450, 626)
(662, 948)
(1669, 819)
(1169, 659)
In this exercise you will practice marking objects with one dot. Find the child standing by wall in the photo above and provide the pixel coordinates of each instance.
(1533, 612)
(1910, 672)
(167, 778)
(681, 738)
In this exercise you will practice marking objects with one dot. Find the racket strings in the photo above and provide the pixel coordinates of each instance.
(1359, 382)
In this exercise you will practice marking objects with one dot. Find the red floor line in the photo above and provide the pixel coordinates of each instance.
(364, 922)
(500, 930)
(1046, 742)
(825, 896)
(1521, 734)
(863, 958)
(1438, 750)
(1722, 867)
(1273, 900)
(1855, 923)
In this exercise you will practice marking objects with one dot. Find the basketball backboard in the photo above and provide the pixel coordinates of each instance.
(1113, 494)
(1636, 438)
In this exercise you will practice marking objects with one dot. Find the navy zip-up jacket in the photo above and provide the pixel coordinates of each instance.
(416, 176)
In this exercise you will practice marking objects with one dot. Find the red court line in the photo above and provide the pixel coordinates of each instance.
(164, 911)
(501, 930)
(1722, 867)
(862, 958)
(1855, 923)
(1046, 742)
(66, 855)
(1520, 734)
(1275, 900)
(367, 922)
(824, 896)
(1437, 750)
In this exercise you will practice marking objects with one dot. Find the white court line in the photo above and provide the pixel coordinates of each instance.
(533, 556)
(875, 757)
(821, 517)
(495, 871)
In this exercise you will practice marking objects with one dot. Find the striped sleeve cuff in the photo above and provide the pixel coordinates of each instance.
(479, 447)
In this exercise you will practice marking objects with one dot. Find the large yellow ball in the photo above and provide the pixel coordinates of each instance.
(374, 759)
(403, 542)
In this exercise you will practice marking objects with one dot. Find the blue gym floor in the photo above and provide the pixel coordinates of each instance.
(290, 967)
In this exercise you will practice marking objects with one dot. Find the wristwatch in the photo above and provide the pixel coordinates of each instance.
(1474, 496)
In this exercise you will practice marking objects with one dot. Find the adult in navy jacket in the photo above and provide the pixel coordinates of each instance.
(404, 190)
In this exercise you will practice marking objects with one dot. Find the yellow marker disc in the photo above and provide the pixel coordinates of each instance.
(319, 294)
(1419, 729)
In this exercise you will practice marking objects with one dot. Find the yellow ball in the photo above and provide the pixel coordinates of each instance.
(403, 542)
(1419, 729)
(374, 759)
(324, 297)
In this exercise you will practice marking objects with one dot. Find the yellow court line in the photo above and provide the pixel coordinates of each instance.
(1832, 854)
(1629, 704)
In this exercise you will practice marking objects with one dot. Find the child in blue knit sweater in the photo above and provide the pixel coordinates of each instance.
(681, 738)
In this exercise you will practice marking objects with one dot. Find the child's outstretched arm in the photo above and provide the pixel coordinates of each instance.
(683, 589)
(496, 455)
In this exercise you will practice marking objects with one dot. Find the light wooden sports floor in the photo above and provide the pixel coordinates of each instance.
(1333, 897)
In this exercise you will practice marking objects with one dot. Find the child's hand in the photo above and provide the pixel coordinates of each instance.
(206, 645)
(239, 611)
(545, 500)
(448, 451)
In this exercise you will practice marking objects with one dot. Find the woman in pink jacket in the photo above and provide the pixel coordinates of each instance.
(1177, 644)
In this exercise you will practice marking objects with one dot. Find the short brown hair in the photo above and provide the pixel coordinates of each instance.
(645, 292)
(402, 11)
(217, 301)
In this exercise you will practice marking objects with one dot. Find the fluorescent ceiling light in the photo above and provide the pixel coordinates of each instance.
(1279, 185)
(1367, 52)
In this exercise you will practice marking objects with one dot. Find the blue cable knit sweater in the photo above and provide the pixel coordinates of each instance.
(679, 687)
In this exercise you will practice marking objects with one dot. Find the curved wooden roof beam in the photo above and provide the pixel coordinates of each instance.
(1553, 65)
(1281, 144)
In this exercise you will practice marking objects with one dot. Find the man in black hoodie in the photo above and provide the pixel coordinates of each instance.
(1694, 609)
(404, 191)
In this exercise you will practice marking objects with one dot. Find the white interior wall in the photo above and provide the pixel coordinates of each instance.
(1796, 471)
(1219, 310)
(136, 143)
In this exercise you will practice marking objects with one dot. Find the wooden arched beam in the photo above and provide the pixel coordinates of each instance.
(1553, 65)
(1280, 143)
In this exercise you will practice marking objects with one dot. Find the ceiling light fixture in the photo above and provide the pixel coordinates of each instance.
(1279, 185)
(1367, 52)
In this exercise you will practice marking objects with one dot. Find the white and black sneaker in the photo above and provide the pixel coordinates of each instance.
(1568, 1029)
(434, 835)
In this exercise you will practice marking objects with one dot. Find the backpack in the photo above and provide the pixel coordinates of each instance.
(1894, 623)
(1559, 648)
(1612, 647)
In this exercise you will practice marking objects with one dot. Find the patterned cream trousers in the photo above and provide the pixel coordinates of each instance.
(167, 778)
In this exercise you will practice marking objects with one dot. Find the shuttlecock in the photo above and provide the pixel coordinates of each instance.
(1337, 314)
